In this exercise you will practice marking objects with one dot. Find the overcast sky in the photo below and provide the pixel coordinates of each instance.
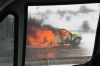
(75, 20)
(74, 7)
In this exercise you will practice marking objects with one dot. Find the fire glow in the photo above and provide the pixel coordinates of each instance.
(43, 37)
(40, 36)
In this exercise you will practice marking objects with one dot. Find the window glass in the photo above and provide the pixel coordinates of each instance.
(7, 41)
(61, 34)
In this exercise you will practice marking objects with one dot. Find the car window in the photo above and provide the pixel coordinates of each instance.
(7, 41)
(49, 29)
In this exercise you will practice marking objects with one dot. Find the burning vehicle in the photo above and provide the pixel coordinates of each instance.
(66, 37)
(47, 36)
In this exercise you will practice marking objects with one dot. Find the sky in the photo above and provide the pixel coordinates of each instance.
(76, 20)
(55, 21)
(74, 7)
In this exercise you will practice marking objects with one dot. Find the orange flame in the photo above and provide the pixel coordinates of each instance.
(43, 36)
(39, 36)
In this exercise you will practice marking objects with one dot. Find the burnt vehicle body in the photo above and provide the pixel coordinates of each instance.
(46, 36)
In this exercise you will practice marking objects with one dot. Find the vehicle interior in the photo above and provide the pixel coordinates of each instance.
(49, 33)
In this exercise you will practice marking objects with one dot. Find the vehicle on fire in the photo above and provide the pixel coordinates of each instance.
(50, 37)
(68, 38)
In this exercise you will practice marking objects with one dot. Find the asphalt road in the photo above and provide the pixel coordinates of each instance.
(57, 55)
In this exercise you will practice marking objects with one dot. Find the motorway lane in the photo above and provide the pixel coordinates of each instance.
(57, 55)
(56, 52)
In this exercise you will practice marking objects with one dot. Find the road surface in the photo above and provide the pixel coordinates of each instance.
(57, 55)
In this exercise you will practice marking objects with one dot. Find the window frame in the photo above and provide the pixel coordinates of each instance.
(31, 3)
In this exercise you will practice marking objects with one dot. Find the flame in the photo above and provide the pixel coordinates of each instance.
(39, 36)
(43, 36)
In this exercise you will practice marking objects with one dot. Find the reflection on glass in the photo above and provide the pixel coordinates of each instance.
(61, 33)
(7, 41)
